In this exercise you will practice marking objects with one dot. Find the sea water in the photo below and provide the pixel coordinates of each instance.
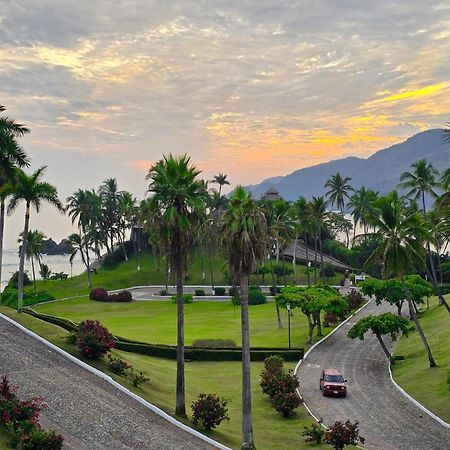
(56, 263)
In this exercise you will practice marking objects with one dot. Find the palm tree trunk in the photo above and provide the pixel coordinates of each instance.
(319, 325)
(2, 227)
(294, 260)
(413, 315)
(210, 257)
(136, 256)
(385, 349)
(202, 262)
(307, 259)
(354, 232)
(180, 409)
(122, 244)
(33, 272)
(274, 292)
(257, 275)
(247, 426)
(22, 259)
(283, 263)
(321, 253)
(315, 259)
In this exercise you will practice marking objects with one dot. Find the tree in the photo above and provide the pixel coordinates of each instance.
(318, 212)
(244, 236)
(180, 196)
(421, 181)
(361, 204)
(35, 245)
(33, 191)
(381, 325)
(80, 245)
(401, 234)
(110, 195)
(11, 156)
(221, 180)
(338, 190)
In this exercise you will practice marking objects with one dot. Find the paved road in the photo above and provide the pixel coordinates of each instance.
(89, 412)
(387, 420)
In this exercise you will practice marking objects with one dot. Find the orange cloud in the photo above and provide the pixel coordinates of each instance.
(141, 165)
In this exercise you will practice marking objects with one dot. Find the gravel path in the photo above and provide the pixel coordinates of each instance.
(89, 412)
(387, 420)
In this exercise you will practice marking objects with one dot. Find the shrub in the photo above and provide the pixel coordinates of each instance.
(355, 299)
(13, 282)
(340, 435)
(137, 378)
(121, 297)
(236, 301)
(71, 337)
(200, 292)
(209, 410)
(99, 295)
(219, 291)
(10, 296)
(118, 365)
(94, 340)
(330, 318)
(328, 270)
(37, 439)
(271, 375)
(214, 343)
(275, 291)
(233, 292)
(163, 292)
(187, 298)
(256, 297)
(314, 433)
(285, 402)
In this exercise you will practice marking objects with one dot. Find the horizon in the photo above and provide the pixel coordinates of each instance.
(253, 90)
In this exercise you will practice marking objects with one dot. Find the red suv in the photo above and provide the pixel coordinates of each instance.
(332, 383)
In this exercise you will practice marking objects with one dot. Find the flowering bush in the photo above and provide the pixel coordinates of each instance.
(209, 410)
(102, 295)
(342, 434)
(118, 366)
(271, 374)
(21, 418)
(137, 378)
(285, 402)
(94, 340)
(355, 299)
(120, 297)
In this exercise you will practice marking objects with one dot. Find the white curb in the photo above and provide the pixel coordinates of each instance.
(419, 405)
(108, 379)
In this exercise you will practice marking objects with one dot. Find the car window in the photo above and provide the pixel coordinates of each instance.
(334, 378)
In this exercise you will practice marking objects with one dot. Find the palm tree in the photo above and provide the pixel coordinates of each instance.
(361, 204)
(33, 191)
(338, 190)
(35, 245)
(110, 195)
(243, 232)
(11, 156)
(419, 182)
(180, 196)
(80, 244)
(402, 234)
(221, 180)
(128, 219)
(318, 211)
(445, 179)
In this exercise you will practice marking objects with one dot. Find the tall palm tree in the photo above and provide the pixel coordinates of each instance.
(338, 191)
(420, 182)
(11, 156)
(300, 212)
(35, 245)
(128, 219)
(180, 196)
(221, 180)
(110, 195)
(318, 211)
(33, 192)
(361, 204)
(243, 232)
(445, 179)
(401, 249)
(80, 245)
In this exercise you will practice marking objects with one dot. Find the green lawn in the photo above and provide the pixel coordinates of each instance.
(271, 430)
(428, 386)
(3, 438)
(125, 275)
(155, 321)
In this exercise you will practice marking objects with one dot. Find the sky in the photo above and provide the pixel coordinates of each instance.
(251, 88)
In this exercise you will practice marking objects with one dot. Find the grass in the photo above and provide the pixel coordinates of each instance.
(3, 438)
(125, 275)
(427, 385)
(155, 321)
(270, 429)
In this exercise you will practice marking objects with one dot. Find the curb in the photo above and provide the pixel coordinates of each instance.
(416, 403)
(118, 386)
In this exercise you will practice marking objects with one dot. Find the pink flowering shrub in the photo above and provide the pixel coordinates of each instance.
(94, 340)
(342, 434)
(209, 410)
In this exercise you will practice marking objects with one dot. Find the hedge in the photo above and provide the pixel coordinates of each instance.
(170, 351)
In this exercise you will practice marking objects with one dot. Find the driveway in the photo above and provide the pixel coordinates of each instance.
(387, 420)
(88, 411)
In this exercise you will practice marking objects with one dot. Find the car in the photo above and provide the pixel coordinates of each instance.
(332, 383)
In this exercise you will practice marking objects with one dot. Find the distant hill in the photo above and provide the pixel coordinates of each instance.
(380, 172)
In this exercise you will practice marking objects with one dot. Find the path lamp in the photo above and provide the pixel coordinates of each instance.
(288, 307)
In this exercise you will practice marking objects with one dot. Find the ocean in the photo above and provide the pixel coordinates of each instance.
(56, 263)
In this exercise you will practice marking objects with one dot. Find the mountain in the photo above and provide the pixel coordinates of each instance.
(380, 172)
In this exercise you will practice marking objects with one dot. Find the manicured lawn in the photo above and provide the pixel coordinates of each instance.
(270, 429)
(3, 438)
(155, 321)
(428, 386)
(125, 275)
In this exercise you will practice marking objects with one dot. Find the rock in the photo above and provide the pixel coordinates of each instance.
(52, 248)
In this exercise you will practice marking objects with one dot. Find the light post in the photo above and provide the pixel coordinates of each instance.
(288, 307)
